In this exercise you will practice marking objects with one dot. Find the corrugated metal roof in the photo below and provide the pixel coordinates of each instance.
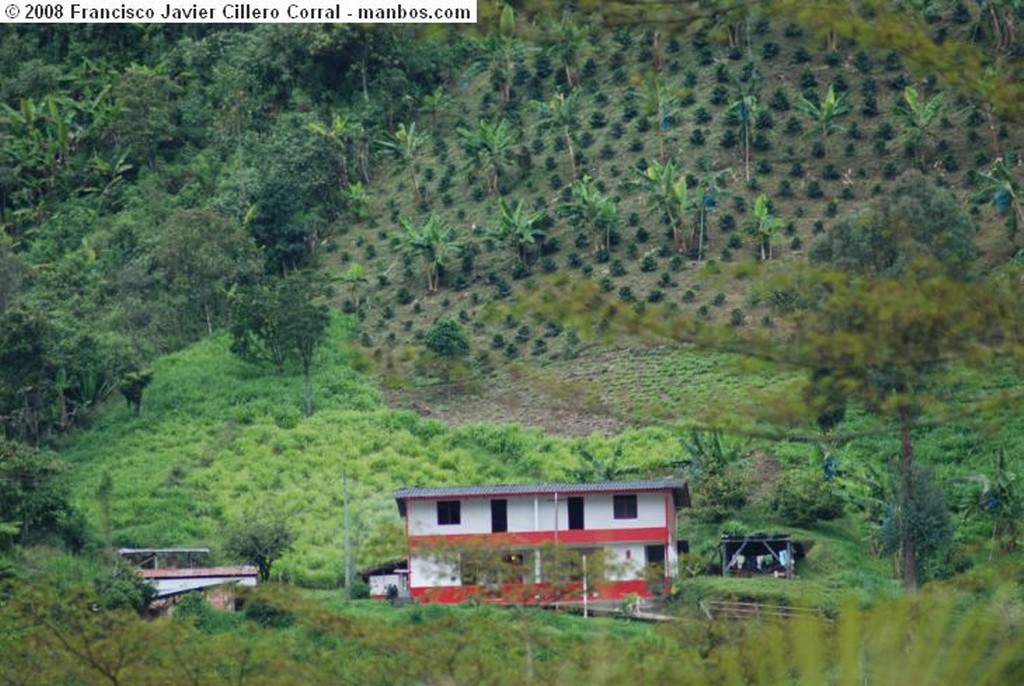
(525, 489)
(681, 493)
(198, 572)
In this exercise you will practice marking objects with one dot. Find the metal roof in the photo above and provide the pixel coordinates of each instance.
(680, 492)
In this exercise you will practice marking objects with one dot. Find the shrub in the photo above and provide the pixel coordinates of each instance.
(803, 498)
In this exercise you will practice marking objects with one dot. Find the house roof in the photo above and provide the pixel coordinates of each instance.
(680, 491)
(198, 572)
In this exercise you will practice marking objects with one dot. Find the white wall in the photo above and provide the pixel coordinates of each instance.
(619, 567)
(428, 571)
(598, 512)
(526, 511)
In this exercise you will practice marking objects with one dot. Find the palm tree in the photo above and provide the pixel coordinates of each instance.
(561, 113)
(764, 225)
(436, 101)
(668, 195)
(436, 242)
(517, 228)
(918, 117)
(595, 209)
(406, 143)
(709, 185)
(746, 109)
(489, 147)
(823, 115)
(999, 186)
(661, 101)
(1001, 499)
(338, 138)
(567, 37)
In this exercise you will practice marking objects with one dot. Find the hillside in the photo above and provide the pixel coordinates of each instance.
(153, 180)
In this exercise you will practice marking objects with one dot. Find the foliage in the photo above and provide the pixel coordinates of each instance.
(447, 338)
(923, 517)
(594, 209)
(915, 220)
(34, 498)
(764, 225)
(260, 539)
(802, 498)
(823, 115)
(123, 589)
(435, 242)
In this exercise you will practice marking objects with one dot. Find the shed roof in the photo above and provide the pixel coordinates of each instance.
(678, 487)
(198, 572)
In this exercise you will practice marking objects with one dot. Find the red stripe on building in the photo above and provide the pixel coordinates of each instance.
(530, 593)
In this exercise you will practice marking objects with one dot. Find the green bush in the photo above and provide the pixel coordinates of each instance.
(802, 499)
(719, 496)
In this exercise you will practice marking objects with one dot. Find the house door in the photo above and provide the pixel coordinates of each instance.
(499, 516)
(575, 513)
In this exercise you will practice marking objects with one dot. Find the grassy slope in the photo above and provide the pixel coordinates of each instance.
(221, 440)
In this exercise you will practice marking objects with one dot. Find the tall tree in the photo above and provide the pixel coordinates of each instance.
(746, 109)
(279, 320)
(561, 113)
(660, 101)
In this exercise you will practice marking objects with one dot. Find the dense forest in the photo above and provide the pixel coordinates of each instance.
(773, 249)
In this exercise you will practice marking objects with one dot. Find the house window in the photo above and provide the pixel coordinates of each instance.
(624, 506)
(449, 512)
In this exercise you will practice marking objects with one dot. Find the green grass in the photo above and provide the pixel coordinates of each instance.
(221, 440)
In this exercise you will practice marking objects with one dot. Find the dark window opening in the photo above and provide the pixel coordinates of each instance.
(499, 516)
(655, 555)
(683, 547)
(575, 513)
(624, 506)
(449, 512)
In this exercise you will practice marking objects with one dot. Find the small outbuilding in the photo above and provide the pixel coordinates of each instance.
(173, 573)
(760, 554)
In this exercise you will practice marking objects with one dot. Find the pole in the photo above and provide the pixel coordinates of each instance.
(585, 593)
(348, 536)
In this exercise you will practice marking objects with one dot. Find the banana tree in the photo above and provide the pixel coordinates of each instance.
(436, 101)
(489, 147)
(709, 185)
(918, 117)
(746, 109)
(435, 242)
(338, 137)
(764, 225)
(661, 101)
(406, 143)
(667, 194)
(561, 113)
(823, 115)
(517, 228)
(595, 209)
(1000, 187)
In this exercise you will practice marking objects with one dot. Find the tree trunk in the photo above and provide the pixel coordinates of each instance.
(572, 153)
(307, 391)
(746, 145)
(906, 468)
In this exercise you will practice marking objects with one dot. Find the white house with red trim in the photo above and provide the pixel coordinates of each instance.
(631, 524)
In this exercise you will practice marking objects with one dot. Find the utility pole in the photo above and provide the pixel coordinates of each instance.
(348, 535)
